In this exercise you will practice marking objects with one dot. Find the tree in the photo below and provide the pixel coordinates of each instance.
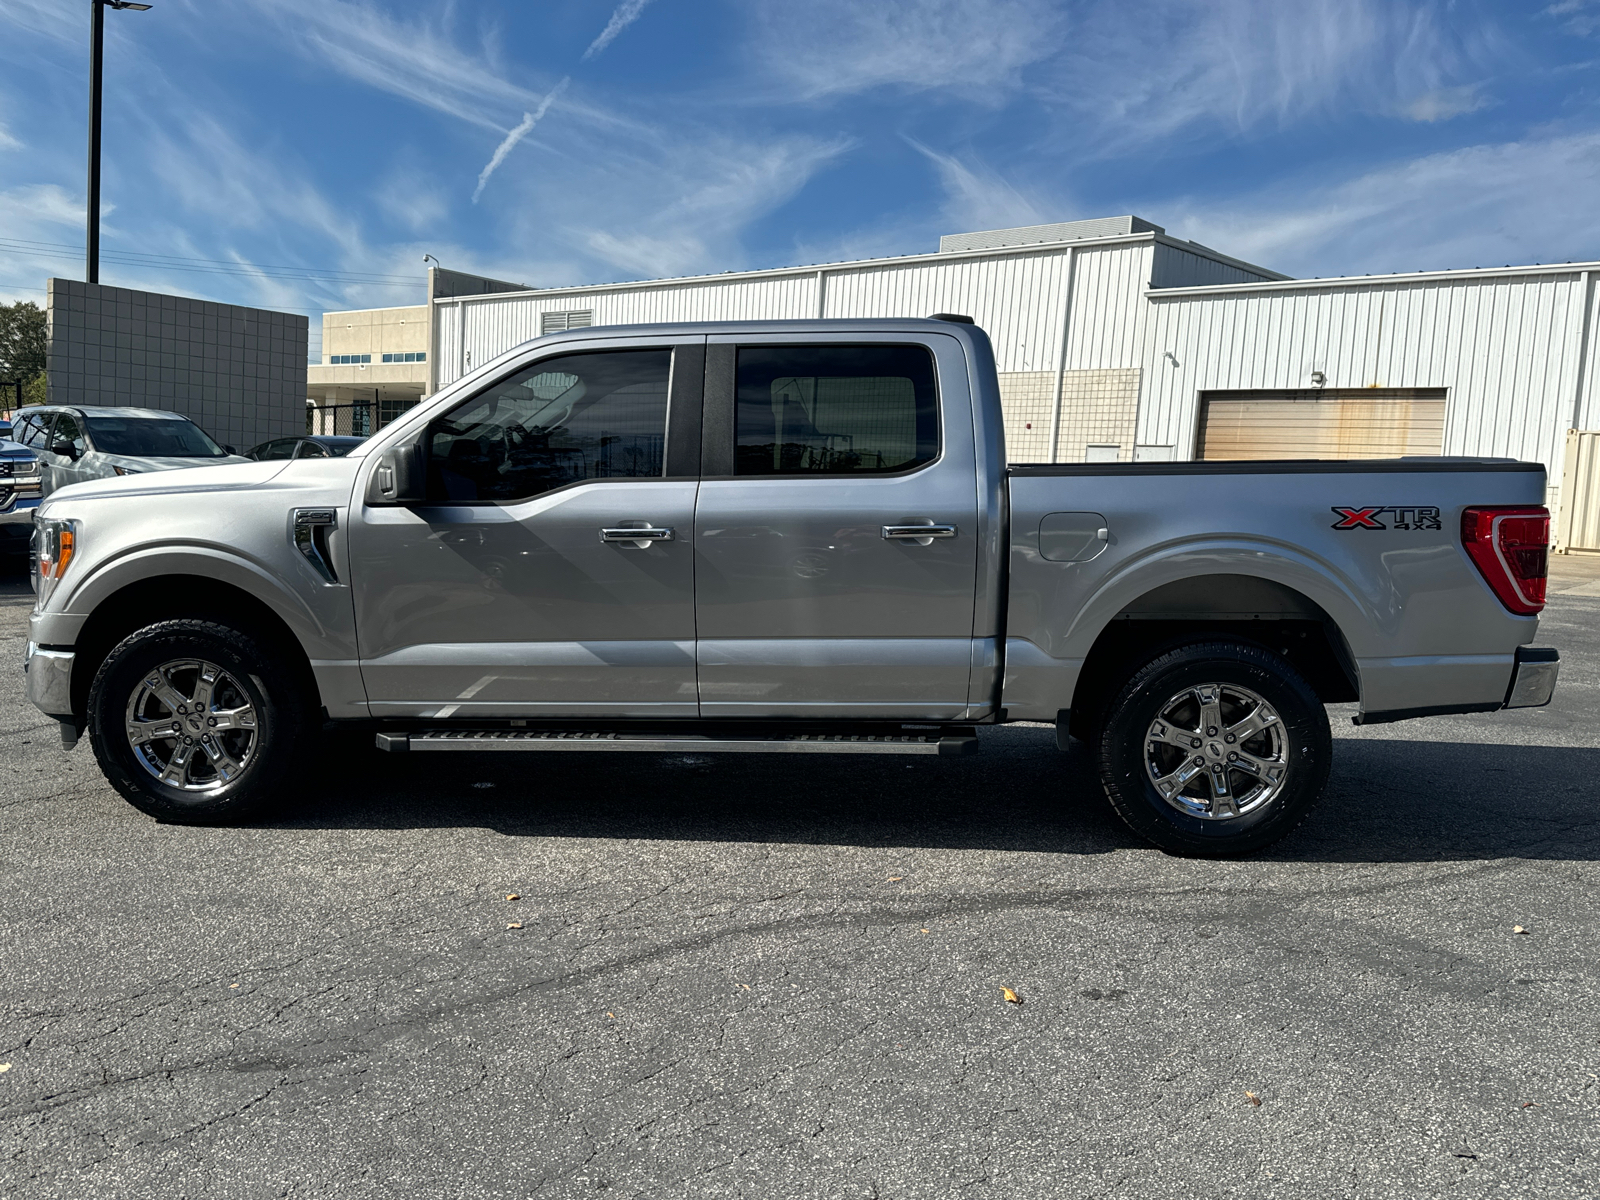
(22, 350)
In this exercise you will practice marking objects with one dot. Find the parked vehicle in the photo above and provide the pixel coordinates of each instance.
(319, 446)
(76, 443)
(19, 497)
(786, 536)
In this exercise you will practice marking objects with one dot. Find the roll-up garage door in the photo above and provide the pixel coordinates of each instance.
(1322, 423)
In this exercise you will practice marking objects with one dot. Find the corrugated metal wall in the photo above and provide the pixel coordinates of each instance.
(1017, 299)
(1578, 524)
(1175, 267)
(1506, 347)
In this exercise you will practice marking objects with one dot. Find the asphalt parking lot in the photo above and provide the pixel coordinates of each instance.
(762, 978)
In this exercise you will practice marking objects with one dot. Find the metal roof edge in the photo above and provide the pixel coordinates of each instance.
(846, 265)
(1336, 281)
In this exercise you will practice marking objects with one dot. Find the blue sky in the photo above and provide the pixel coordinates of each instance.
(311, 151)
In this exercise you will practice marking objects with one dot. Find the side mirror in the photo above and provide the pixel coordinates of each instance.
(228, 449)
(399, 477)
(64, 448)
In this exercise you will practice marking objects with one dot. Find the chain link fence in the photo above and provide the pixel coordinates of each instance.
(360, 419)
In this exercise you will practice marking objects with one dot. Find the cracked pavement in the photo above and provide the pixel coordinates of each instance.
(756, 977)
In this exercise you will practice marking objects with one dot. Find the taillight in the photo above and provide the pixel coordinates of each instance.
(1511, 548)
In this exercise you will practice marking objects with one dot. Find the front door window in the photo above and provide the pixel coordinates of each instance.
(565, 420)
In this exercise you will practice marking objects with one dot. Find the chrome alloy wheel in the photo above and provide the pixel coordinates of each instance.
(191, 725)
(1217, 751)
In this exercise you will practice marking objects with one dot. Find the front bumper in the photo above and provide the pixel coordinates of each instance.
(16, 517)
(48, 680)
(1533, 679)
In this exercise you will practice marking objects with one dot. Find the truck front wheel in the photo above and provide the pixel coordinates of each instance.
(195, 723)
(1213, 749)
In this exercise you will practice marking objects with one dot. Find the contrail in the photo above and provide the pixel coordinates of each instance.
(529, 120)
(626, 14)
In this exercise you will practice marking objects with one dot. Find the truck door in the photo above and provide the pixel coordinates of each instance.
(551, 570)
(836, 528)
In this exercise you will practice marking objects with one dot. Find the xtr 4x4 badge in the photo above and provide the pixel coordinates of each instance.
(1370, 517)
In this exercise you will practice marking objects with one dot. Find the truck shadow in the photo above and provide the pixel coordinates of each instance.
(1389, 800)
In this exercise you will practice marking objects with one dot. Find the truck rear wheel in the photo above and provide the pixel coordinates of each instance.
(1214, 749)
(195, 723)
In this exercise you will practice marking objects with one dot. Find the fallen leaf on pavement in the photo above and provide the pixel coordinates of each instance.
(1531, 1104)
(896, 878)
(513, 896)
(233, 985)
(4, 1067)
(1011, 997)
(1253, 1098)
(514, 925)
(1518, 929)
(612, 1015)
(924, 931)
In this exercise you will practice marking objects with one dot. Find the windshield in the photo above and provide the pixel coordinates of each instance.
(152, 437)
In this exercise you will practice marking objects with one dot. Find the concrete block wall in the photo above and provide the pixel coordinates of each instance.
(1026, 398)
(1099, 408)
(239, 373)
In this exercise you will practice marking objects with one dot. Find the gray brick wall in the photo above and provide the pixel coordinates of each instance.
(239, 373)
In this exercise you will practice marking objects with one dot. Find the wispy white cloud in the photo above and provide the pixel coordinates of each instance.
(976, 196)
(699, 200)
(1444, 103)
(420, 61)
(7, 142)
(622, 16)
(1145, 70)
(1487, 205)
(49, 17)
(832, 47)
(520, 131)
(1580, 16)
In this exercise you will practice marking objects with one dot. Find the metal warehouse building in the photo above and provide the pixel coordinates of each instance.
(1117, 342)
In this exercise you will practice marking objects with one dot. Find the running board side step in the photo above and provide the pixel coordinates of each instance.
(683, 743)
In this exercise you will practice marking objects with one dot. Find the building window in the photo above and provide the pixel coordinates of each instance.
(555, 322)
(388, 410)
(348, 360)
(419, 356)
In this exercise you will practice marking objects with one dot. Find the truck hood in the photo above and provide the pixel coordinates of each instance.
(141, 463)
(15, 450)
(230, 477)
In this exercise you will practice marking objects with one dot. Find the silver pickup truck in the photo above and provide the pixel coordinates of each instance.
(799, 537)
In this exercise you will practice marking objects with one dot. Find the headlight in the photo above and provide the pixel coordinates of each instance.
(127, 470)
(55, 543)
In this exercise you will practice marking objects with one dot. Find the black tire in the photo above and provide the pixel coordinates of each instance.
(250, 676)
(1134, 751)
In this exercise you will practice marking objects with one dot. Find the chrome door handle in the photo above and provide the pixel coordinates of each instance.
(641, 538)
(923, 535)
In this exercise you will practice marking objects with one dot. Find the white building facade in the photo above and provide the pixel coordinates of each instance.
(1117, 342)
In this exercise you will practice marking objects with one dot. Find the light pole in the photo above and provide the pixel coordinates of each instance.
(96, 40)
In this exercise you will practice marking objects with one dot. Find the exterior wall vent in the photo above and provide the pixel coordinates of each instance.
(555, 322)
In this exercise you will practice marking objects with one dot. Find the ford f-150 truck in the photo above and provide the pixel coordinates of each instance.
(799, 537)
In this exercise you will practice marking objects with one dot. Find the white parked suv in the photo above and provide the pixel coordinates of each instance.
(76, 443)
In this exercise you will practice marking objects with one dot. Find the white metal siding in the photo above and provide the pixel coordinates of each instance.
(1173, 267)
(1108, 307)
(1505, 347)
(1016, 299)
(1578, 522)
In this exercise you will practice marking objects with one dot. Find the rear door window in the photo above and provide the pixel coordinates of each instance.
(835, 410)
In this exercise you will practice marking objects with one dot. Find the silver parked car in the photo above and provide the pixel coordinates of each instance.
(81, 442)
(19, 497)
